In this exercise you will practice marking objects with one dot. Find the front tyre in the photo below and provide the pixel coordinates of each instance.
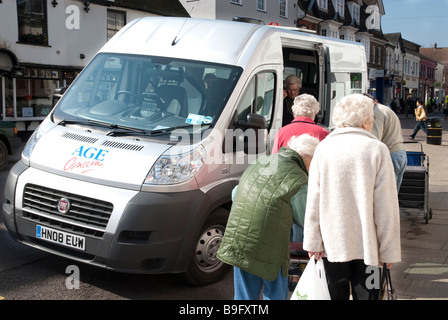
(205, 267)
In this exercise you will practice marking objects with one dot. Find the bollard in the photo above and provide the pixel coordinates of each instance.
(434, 126)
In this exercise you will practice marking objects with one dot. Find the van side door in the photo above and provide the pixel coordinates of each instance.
(251, 129)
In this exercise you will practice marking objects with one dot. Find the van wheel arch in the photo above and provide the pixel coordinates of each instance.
(3, 155)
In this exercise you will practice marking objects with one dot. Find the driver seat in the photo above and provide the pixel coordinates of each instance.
(175, 99)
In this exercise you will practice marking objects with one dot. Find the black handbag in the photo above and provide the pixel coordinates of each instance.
(387, 291)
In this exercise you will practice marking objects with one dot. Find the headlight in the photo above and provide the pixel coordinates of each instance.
(172, 169)
(32, 141)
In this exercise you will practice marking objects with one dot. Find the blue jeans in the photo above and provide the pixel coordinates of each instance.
(399, 160)
(419, 125)
(296, 233)
(249, 286)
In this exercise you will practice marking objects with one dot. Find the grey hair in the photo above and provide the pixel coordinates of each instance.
(353, 110)
(292, 79)
(305, 105)
(304, 144)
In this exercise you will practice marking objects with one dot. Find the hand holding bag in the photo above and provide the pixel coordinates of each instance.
(312, 284)
(387, 290)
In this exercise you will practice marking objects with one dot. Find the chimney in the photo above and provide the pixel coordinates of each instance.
(435, 45)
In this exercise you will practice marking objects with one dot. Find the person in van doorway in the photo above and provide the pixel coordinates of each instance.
(304, 109)
(387, 128)
(352, 215)
(256, 241)
(420, 116)
(292, 85)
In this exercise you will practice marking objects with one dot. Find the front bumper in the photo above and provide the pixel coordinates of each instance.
(146, 232)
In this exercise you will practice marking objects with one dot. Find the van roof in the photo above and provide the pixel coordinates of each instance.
(219, 41)
(196, 39)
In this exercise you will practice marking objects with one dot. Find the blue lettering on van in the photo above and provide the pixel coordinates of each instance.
(90, 153)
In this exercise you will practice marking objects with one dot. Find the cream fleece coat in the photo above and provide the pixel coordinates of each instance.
(352, 204)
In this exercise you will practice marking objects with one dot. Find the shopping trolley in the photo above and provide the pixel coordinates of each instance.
(414, 188)
(298, 261)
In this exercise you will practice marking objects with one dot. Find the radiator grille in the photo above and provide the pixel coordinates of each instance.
(86, 216)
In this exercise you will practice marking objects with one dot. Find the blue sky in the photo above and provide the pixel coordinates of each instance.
(421, 21)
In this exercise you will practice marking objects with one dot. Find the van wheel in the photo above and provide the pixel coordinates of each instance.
(205, 267)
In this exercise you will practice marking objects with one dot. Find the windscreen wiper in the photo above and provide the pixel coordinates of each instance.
(115, 128)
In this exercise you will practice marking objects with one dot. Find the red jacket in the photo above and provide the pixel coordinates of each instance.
(298, 126)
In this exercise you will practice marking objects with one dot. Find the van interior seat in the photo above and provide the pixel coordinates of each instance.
(175, 99)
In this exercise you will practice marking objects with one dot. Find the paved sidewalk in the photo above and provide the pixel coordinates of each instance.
(423, 272)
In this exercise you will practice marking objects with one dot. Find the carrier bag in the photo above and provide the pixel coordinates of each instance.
(387, 290)
(312, 284)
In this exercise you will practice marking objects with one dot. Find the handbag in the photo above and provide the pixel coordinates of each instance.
(312, 284)
(387, 291)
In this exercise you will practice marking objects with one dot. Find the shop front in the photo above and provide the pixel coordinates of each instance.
(26, 95)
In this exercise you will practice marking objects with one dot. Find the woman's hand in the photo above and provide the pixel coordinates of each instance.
(317, 255)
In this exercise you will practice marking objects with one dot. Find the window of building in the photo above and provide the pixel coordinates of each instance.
(235, 1)
(379, 55)
(354, 11)
(32, 21)
(339, 7)
(322, 4)
(115, 21)
(261, 5)
(283, 8)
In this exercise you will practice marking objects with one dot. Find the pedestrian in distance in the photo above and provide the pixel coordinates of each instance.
(352, 216)
(256, 242)
(387, 128)
(292, 86)
(420, 116)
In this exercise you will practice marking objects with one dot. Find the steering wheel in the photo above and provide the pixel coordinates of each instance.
(126, 92)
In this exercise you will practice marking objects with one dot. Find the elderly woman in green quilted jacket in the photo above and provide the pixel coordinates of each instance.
(256, 241)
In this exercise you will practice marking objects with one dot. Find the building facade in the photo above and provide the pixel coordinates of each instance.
(427, 79)
(441, 56)
(395, 62)
(44, 44)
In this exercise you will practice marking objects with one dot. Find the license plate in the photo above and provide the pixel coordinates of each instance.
(60, 237)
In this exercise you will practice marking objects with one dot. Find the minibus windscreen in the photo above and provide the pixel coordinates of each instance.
(148, 93)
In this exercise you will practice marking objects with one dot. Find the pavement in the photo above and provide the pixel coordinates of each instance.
(423, 272)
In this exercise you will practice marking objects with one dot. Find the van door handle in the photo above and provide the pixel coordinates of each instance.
(225, 170)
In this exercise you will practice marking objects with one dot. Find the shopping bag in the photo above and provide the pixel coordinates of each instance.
(312, 284)
(387, 290)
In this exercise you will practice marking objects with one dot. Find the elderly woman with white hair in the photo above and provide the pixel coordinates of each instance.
(305, 109)
(352, 214)
(256, 241)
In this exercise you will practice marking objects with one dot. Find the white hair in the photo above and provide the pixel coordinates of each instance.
(353, 110)
(304, 144)
(305, 105)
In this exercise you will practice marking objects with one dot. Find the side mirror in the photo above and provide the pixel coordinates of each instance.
(58, 93)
